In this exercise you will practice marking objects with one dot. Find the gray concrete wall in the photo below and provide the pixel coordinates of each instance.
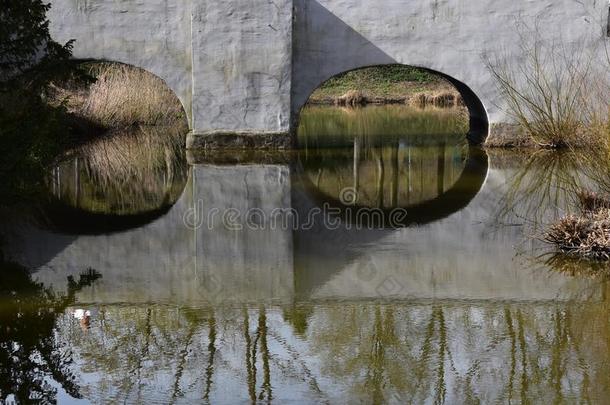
(229, 63)
(247, 67)
(242, 66)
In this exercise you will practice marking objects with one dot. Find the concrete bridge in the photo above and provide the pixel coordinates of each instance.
(244, 68)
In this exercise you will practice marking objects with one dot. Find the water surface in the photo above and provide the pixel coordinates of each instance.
(258, 282)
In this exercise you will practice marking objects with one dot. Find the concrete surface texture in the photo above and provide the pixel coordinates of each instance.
(246, 67)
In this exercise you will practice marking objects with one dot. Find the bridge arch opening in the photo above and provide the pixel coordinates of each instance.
(449, 92)
(130, 164)
(121, 95)
(392, 137)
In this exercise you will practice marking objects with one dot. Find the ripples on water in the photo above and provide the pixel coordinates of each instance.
(127, 286)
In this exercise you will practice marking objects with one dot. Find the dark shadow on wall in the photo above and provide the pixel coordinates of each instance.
(327, 46)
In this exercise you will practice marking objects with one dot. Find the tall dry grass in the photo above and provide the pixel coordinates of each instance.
(558, 95)
(122, 96)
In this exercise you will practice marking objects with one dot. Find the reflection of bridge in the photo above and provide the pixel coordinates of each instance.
(248, 67)
(165, 260)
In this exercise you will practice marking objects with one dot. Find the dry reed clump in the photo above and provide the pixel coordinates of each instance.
(586, 235)
(122, 96)
(352, 98)
(441, 100)
(438, 99)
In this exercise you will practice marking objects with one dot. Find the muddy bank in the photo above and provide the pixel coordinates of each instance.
(508, 136)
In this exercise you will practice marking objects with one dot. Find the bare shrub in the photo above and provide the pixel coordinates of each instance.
(557, 95)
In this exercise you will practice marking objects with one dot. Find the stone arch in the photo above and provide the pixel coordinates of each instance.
(479, 122)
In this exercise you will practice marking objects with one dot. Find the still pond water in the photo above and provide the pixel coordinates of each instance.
(385, 261)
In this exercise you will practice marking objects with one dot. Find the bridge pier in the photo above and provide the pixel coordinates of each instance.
(242, 71)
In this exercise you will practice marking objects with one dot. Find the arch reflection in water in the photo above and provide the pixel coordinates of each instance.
(120, 181)
(388, 158)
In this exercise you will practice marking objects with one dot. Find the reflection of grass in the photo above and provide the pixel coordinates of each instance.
(323, 126)
(124, 172)
(577, 267)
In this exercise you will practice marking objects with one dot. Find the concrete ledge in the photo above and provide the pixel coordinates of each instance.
(240, 156)
(239, 140)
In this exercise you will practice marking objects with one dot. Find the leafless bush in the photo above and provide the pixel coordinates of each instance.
(557, 95)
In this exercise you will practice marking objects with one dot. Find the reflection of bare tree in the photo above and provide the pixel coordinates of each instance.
(431, 371)
(209, 371)
(182, 357)
(260, 335)
(442, 352)
(297, 315)
(250, 352)
(543, 186)
(511, 352)
(30, 354)
(262, 332)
